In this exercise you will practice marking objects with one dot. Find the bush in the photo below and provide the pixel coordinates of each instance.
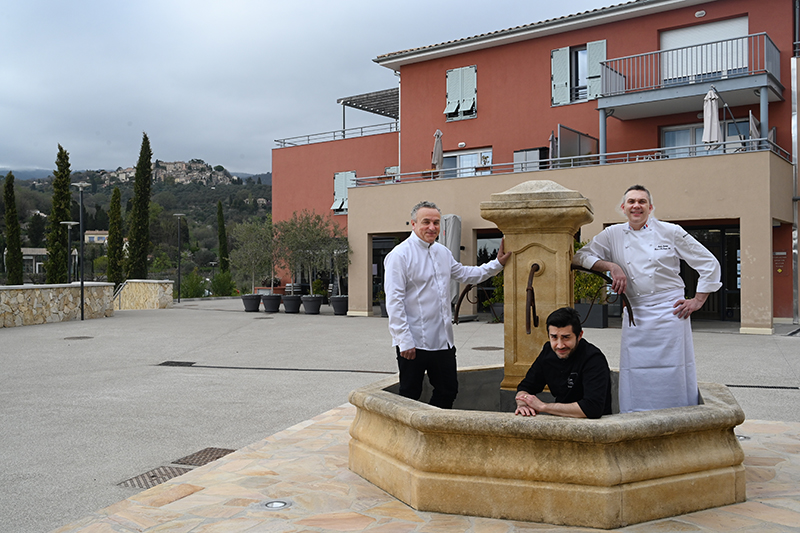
(318, 287)
(498, 296)
(193, 285)
(222, 284)
(588, 287)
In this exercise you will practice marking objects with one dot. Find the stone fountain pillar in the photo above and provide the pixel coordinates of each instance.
(539, 220)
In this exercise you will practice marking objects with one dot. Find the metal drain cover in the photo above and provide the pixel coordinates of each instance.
(203, 457)
(154, 477)
(78, 338)
(487, 348)
(177, 363)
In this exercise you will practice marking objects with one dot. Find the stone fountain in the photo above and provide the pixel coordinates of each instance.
(479, 459)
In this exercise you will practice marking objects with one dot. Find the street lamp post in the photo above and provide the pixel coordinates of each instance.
(179, 215)
(69, 224)
(82, 185)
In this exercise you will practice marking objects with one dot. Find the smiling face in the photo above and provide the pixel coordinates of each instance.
(563, 341)
(426, 226)
(637, 208)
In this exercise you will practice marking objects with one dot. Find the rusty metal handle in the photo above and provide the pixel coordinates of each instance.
(625, 302)
(530, 302)
(460, 299)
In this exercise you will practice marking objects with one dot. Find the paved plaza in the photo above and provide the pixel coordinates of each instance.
(88, 405)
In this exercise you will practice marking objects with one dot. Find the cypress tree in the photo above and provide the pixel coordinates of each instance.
(139, 227)
(13, 241)
(224, 260)
(56, 264)
(115, 270)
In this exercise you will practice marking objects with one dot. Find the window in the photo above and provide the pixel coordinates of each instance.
(680, 139)
(462, 93)
(341, 182)
(464, 164)
(575, 72)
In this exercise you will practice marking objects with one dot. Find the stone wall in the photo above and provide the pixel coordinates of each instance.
(26, 305)
(145, 294)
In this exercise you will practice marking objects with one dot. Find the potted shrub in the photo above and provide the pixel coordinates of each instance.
(254, 251)
(340, 258)
(303, 241)
(496, 303)
(312, 302)
(589, 296)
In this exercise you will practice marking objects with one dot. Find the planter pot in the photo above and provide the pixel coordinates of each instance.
(597, 318)
(291, 304)
(312, 303)
(382, 303)
(498, 309)
(339, 304)
(272, 302)
(251, 302)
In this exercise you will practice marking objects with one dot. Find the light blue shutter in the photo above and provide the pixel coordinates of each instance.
(559, 71)
(348, 180)
(339, 190)
(595, 53)
(469, 88)
(453, 91)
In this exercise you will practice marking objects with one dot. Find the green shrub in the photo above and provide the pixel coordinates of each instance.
(222, 284)
(193, 285)
(587, 286)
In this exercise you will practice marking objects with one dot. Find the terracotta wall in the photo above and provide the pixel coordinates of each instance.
(302, 176)
(514, 92)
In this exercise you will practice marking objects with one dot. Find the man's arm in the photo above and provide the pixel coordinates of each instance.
(596, 256)
(530, 405)
(395, 288)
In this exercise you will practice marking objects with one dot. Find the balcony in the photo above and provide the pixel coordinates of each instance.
(674, 81)
(336, 135)
(561, 163)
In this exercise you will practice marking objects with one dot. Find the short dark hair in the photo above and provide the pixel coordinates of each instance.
(638, 188)
(566, 316)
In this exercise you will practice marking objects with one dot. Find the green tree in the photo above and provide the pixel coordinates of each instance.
(224, 261)
(139, 232)
(13, 240)
(304, 244)
(253, 250)
(36, 228)
(115, 243)
(57, 254)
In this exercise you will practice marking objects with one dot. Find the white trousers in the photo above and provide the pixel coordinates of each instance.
(657, 367)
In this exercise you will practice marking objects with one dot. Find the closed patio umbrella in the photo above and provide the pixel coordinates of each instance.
(711, 132)
(450, 237)
(437, 160)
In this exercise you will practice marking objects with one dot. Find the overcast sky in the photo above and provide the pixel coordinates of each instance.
(214, 80)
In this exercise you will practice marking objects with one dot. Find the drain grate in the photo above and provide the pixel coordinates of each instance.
(177, 363)
(154, 477)
(487, 348)
(203, 457)
(78, 338)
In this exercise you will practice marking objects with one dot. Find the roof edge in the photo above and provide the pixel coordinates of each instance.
(585, 19)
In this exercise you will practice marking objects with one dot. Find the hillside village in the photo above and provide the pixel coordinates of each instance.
(196, 170)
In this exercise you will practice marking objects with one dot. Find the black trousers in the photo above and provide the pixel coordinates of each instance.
(442, 373)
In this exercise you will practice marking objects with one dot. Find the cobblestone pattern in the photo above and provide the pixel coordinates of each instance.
(40, 304)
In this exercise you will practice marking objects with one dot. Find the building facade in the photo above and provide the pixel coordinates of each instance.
(596, 102)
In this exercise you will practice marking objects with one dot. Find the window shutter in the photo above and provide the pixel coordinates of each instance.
(469, 86)
(453, 91)
(559, 72)
(348, 180)
(595, 53)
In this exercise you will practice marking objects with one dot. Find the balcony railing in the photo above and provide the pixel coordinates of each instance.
(744, 56)
(336, 135)
(634, 156)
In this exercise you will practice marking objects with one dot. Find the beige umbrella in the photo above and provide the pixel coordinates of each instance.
(437, 160)
(711, 132)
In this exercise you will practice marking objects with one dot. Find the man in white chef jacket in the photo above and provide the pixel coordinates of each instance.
(417, 286)
(657, 367)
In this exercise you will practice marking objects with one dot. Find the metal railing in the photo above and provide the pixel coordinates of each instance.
(633, 156)
(744, 56)
(118, 294)
(336, 135)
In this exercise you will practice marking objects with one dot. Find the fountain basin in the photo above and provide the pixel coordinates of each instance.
(480, 459)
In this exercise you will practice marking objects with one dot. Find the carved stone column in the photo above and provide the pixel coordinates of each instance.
(539, 220)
